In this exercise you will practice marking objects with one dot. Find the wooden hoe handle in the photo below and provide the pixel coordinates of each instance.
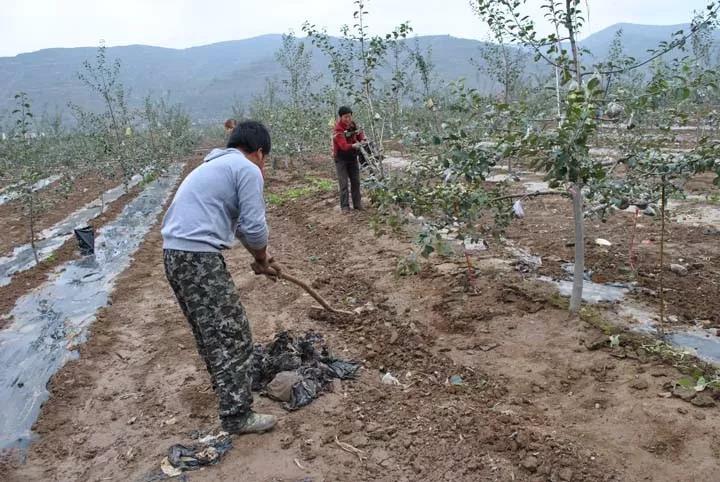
(312, 292)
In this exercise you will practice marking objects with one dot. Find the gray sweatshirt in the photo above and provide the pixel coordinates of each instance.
(219, 200)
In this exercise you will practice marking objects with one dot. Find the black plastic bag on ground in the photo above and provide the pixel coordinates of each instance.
(342, 369)
(308, 357)
(207, 451)
(305, 391)
(279, 356)
(86, 240)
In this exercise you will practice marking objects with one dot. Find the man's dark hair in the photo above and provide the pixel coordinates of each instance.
(249, 136)
(344, 110)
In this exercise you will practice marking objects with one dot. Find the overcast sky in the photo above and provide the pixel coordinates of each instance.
(29, 25)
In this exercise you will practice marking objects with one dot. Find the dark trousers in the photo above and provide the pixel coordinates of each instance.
(209, 300)
(349, 170)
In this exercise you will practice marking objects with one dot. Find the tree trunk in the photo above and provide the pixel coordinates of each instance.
(506, 68)
(577, 200)
(32, 228)
(570, 25)
(557, 69)
(661, 278)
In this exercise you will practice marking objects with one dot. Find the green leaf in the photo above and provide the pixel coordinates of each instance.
(593, 84)
(682, 93)
(427, 251)
(686, 382)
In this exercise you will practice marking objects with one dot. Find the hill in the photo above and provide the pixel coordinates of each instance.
(210, 78)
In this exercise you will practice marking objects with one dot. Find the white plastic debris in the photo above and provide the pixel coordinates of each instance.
(479, 245)
(367, 307)
(208, 439)
(389, 379)
(525, 261)
(678, 269)
(456, 380)
(614, 110)
(602, 242)
(168, 469)
(518, 209)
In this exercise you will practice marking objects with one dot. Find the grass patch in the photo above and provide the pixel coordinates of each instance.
(408, 265)
(314, 185)
(558, 301)
(595, 318)
(146, 179)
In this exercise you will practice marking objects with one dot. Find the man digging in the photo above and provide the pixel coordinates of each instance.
(220, 200)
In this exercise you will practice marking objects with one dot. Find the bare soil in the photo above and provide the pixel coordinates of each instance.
(547, 231)
(534, 404)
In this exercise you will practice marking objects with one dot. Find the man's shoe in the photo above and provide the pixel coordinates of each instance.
(254, 423)
(346, 210)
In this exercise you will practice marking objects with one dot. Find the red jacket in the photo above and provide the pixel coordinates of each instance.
(344, 136)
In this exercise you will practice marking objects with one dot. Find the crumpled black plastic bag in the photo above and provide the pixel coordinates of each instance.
(304, 392)
(309, 357)
(200, 454)
(343, 370)
(86, 240)
(182, 457)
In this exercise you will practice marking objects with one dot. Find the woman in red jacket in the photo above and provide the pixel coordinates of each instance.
(346, 144)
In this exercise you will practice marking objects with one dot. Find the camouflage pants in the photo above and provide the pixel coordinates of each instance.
(208, 298)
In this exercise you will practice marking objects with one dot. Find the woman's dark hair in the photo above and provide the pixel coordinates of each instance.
(249, 136)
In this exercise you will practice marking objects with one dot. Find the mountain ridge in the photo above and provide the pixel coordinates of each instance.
(208, 79)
